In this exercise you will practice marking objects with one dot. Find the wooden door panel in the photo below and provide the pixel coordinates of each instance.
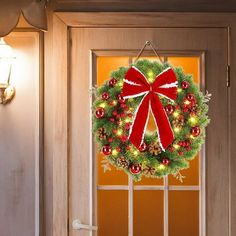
(85, 43)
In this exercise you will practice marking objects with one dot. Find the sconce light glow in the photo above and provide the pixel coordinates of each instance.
(7, 91)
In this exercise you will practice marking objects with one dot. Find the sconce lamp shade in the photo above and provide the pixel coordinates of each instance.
(34, 12)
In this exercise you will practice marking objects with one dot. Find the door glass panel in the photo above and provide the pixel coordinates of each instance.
(112, 213)
(148, 213)
(183, 213)
(190, 65)
(147, 198)
(191, 175)
(112, 176)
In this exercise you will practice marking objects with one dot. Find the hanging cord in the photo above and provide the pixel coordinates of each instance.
(148, 43)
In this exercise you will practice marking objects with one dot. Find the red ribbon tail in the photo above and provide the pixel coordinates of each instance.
(140, 122)
(164, 131)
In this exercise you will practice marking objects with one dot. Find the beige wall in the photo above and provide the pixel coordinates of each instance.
(19, 140)
(19, 121)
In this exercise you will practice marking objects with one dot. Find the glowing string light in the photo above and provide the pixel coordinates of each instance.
(161, 167)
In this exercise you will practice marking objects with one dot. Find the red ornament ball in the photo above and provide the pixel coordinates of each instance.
(185, 84)
(181, 143)
(169, 109)
(112, 82)
(124, 138)
(165, 161)
(143, 147)
(100, 112)
(185, 109)
(188, 148)
(190, 97)
(122, 115)
(110, 140)
(118, 149)
(186, 143)
(112, 119)
(105, 96)
(135, 169)
(106, 150)
(195, 131)
(171, 149)
(122, 105)
(127, 126)
(120, 98)
(181, 153)
(114, 113)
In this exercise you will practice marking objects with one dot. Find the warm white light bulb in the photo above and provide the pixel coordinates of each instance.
(176, 114)
(135, 153)
(6, 57)
(5, 50)
(114, 152)
(161, 167)
(176, 129)
(193, 120)
(179, 90)
(103, 105)
(119, 132)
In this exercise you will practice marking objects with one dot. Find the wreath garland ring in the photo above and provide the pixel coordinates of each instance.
(113, 117)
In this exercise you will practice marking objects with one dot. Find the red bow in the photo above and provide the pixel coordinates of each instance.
(135, 85)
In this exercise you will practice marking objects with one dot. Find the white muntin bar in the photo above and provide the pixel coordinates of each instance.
(131, 208)
(166, 207)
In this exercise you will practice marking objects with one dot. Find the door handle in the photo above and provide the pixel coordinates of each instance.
(76, 224)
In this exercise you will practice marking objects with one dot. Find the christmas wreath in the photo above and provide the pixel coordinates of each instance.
(121, 109)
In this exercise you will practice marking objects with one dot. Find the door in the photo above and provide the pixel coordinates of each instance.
(164, 207)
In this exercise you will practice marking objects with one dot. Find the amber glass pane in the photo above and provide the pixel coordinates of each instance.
(149, 181)
(191, 174)
(105, 65)
(190, 65)
(112, 213)
(110, 177)
(183, 213)
(148, 213)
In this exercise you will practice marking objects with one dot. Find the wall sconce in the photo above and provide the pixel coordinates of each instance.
(7, 91)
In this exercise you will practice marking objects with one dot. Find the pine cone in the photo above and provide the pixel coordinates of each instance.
(101, 133)
(194, 109)
(154, 149)
(149, 170)
(122, 162)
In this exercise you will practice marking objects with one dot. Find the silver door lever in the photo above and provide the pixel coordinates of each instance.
(76, 224)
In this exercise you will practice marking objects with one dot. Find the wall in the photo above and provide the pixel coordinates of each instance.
(20, 141)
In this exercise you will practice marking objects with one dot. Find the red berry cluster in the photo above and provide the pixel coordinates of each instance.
(119, 112)
(189, 103)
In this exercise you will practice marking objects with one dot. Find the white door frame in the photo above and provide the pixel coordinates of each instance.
(57, 72)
